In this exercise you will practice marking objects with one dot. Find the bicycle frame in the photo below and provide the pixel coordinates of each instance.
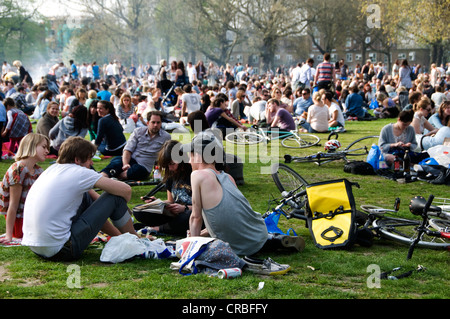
(278, 134)
(290, 199)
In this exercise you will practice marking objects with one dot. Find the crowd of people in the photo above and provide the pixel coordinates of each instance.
(72, 105)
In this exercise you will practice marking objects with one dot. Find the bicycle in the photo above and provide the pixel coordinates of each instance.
(407, 231)
(358, 150)
(292, 187)
(256, 134)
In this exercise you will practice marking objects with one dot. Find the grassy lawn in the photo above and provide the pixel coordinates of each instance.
(315, 274)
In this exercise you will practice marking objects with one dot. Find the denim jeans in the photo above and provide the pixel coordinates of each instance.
(91, 217)
(308, 127)
(136, 172)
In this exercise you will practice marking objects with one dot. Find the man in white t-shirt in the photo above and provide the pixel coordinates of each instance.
(295, 77)
(64, 213)
(191, 102)
(192, 72)
(83, 70)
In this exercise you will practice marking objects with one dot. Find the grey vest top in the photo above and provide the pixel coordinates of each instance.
(234, 221)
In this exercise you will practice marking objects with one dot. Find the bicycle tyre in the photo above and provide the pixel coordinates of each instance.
(403, 231)
(244, 138)
(302, 141)
(361, 146)
(286, 178)
(441, 225)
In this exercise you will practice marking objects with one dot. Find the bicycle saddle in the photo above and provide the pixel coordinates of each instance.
(417, 205)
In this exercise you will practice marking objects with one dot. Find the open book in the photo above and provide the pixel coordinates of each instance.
(157, 207)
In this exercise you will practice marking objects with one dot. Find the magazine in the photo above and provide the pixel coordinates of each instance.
(157, 207)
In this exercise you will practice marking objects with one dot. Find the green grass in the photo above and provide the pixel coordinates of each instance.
(315, 274)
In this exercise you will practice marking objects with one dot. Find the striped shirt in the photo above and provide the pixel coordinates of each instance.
(325, 71)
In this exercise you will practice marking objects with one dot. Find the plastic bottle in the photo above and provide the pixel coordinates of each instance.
(156, 174)
(382, 162)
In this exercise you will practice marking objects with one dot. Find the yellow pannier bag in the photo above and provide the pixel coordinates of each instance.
(331, 214)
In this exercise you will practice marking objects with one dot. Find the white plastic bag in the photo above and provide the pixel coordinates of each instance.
(126, 246)
(122, 247)
(128, 125)
(441, 153)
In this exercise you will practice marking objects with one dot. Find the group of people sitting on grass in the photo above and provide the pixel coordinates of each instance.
(203, 200)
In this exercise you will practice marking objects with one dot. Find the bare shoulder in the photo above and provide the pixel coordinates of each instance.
(202, 174)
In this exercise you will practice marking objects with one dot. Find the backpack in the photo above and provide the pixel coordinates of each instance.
(359, 168)
(331, 214)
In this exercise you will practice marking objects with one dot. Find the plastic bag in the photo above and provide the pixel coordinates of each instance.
(373, 104)
(122, 247)
(126, 246)
(271, 222)
(373, 158)
(441, 153)
(128, 125)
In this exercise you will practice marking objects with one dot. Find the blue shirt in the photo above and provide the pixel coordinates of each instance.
(104, 95)
(2, 113)
(301, 105)
(354, 105)
(95, 71)
(74, 71)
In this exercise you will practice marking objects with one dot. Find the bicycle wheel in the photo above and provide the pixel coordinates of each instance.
(361, 146)
(244, 138)
(441, 225)
(300, 141)
(404, 231)
(286, 178)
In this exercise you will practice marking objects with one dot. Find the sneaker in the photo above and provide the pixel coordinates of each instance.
(266, 266)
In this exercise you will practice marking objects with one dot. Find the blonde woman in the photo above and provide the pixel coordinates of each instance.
(318, 116)
(18, 180)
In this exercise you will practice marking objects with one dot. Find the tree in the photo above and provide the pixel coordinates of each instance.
(18, 30)
(271, 20)
(125, 22)
(425, 22)
(210, 27)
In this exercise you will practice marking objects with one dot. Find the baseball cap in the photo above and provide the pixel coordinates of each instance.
(208, 145)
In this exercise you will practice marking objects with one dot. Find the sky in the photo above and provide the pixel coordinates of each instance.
(51, 8)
